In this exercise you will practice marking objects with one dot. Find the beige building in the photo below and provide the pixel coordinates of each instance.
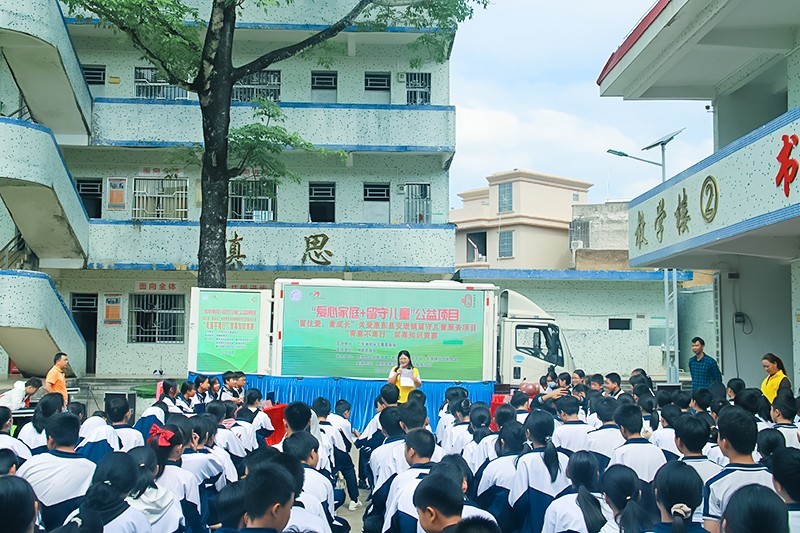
(520, 221)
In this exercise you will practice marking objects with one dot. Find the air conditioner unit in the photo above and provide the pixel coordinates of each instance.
(401, 77)
(575, 245)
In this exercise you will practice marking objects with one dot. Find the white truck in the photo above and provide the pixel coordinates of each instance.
(341, 328)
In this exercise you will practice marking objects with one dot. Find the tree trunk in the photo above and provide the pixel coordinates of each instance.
(215, 105)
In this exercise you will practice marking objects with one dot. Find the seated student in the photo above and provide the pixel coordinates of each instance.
(104, 507)
(230, 391)
(99, 442)
(242, 425)
(784, 409)
(33, 434)
(340, 419)
(184, 399)
(61, 477)
(316, 487)
(231, 508)
(457, 435)
(413, 415)
(9, 462)
(381, 461)
(207, 467)
(155, 415)
(302, 518)
(622, 491)
(755, 508)
(486, 449)
(572, 434)
(394, 496)
(372, 437)
(541, 474)
(446, 418)
(679, 493)
(752, 401)
(664, 436)
(202, 394)
(18, 505)
(603, 441)
(169, 393)
(480, 418)
(642, 456)
(438, 501)
(7, 442)
(225, 438)
(786, 480)
(650, 415)
(737, 439)
(582, 508)
(167, 443)
(252, 413)
(268, 499)
(495, 479)
(701, 400)
(119, 413)
(691, 435)
(158, 504)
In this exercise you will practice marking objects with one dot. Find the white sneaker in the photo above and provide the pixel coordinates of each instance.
(354, 505)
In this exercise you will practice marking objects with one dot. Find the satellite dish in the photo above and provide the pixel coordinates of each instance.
(663, 140)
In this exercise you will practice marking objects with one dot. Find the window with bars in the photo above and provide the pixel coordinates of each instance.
(377, 207)
(156, 318)
(418, 203)
(149, 84)
(579, 231)
(94, 74)
(263, 84)
(418, 88)
(323, 87)
(505, 197)
(91, 193)
(322, 202)
(160, 198)
(378, 87)
(505, 244)
(252, 199)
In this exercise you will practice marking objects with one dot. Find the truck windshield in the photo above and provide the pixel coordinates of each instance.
(541, 342)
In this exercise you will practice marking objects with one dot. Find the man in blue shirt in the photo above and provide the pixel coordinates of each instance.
(703, 368)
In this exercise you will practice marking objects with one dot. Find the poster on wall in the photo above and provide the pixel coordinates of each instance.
(113, 310)
(227, 330)
(117, 193)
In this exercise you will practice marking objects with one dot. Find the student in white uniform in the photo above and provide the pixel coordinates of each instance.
(691, 435)
(18, 505)
(446, 418)
(419, 447)
(252, 412)
(622, 491)
(157, 504)
(340, 450)
(572, 434)
(480, 418)
(32, 433)
(486, 450)
(737, 439)
(61, 477)
(268, 499)
(457, 435)
(783, 411)
(786, 480)
(202, 394)
(755, 508)
(169, 388)
(184, 398)
(583, 508)
(664, 436)
(754, 402)
(7, 442)
(495, 479)
(650, 414)
(206, 466)
(521, 403)
(382, 461)
(541, 474)
(679, 493)
(437, 506)
(119, 413)
(104, 507)
(225, 438)
(456, 468)
(604, 440)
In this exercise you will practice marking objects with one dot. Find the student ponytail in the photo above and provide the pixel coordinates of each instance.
(167, 386)
(539, 426)
(511, 439)
(479, 420)
(679, 489)
(113, 480)
(146, 464)
(583, 470)
(622, 487)
(648, 405)
(163, 441)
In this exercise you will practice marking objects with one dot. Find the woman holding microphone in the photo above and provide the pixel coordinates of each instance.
(404, 375)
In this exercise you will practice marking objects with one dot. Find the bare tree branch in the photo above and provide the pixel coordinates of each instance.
(286, 52)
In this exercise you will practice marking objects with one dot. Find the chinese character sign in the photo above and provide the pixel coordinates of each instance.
(316, 251)
(228, 331)
(357, 331)
(235, 255)
(789, 165)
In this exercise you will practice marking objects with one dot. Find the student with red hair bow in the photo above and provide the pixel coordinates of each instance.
(167, 442)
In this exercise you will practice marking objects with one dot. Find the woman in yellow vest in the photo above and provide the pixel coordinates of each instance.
(776, 377)
(404, 375)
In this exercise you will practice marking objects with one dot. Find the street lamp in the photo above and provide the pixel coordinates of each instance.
(670, 296)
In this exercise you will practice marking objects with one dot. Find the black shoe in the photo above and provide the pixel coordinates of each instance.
(363, 485)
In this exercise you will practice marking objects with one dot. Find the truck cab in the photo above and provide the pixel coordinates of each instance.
(528, 341)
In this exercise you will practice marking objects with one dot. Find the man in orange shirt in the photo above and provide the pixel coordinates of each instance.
(56, 380)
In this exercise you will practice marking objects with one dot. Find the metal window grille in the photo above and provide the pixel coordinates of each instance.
(322, 192)
(94, 74)
(324, 80)
(150, 85)
(263, 84)
(418, 203)
(156, 318)
(84, 302)
(505, 244)
(251, 200)
(160, 198)
(505, 198)
(418, 88)
(90, 187)
(376, 192)
(377, 81)
(579, 230)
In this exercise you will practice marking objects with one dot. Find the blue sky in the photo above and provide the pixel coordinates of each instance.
(523, 79)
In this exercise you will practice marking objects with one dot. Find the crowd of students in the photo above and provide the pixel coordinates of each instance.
(586, 454)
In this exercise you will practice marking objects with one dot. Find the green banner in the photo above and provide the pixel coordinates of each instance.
(357, 331)
(227, 331)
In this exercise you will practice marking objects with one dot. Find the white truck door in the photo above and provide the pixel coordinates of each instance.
(528, 349)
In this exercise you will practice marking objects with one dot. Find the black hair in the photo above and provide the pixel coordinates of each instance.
(682, 399)
(461, 407)
(63, 428)
(17, 504)
(78, 409)
(300, 445)
(183, 422)
(698, 339)
(168, 386)
(755, 508)
(566, 377)
(412, 414)
(390, 394)
(647, 404)
(736, 385)
(718, 391)
(774, 359)
(164, 451)
(784, 403)
(519, 399)
(629, 417)
(739, 428)
(767, 441)
(101, 414)
(539, 427)
(453, 393)
(504, 414)
(694, 432)
(342, 406)
(116, 408)
(297, 416)
(114, 478)
(457, 468)
(786, 470)
(145, 459)
(33, 382)
(480, 418)
(637, 380)
(417, 395)
(422, 442)
(228, 375)
(663, 397)
(643, 373)
(390, 421)
(476, 524)
(642, 390)
(218, 410)
(749, 400)
(702, 398)
(259, 457)
(671, 413)
(712, 438)
(623, 489)
(581, 374)
(204, 426)
(5, 415)
(293, 466)
(613, 377)
(718, 405)
(568, 405)
(267, 486)
(186, 386)
(230, 505)
(322, 407)
(511, 439)
(402, 353)
(57, 357)
(199, 379)
(583, 471)
(626, 398)
(441, 493)
(212, 381)
(580, 387)
(8, 459)
(596, 378)
(605, 407)
(676, 483)
(230, 409)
